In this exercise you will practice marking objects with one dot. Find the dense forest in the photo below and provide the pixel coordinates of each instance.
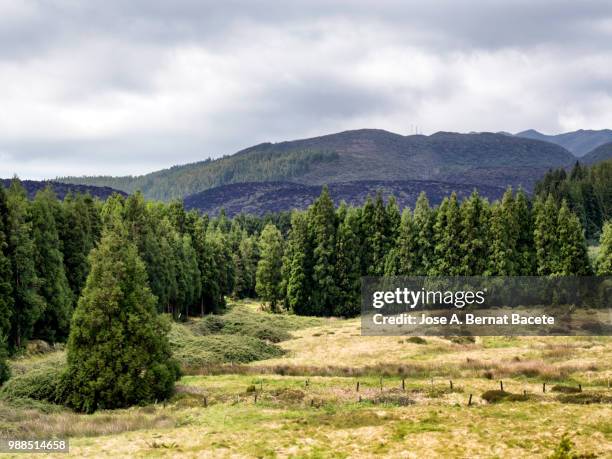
(98, 274)
(587, 190)
(179, 181)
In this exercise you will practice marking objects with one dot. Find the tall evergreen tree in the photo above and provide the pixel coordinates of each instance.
(269, 268)
(28, 305)
(474, 235)
(297, 266)
(604, 259)
(323, 227)
(448, 255)
(405, 261)
(245, 261)
(545, 236)
(118, 353)
(504, 234)
(348, 274)
(525, 248)
(423, 221)
(54, 323)
(573, 256)
(6, 273)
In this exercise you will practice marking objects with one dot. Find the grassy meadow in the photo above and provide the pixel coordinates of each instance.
(263, 385)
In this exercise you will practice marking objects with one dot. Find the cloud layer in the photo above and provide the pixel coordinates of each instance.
(115, 87)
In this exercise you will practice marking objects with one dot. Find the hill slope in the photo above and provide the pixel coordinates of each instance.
(599, 154)
(578, 142)
(366, 154)
(62, 189)
(258, 198)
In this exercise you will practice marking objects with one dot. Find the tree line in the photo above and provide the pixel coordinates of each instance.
(328, 250)
(587, 191)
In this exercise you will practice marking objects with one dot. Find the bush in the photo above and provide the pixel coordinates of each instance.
(44, 385)
(566, 389)
(194, 351)
(585, 398)
(495, 396)
(416, 340)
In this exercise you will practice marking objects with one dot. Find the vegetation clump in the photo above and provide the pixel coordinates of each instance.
(118, 352)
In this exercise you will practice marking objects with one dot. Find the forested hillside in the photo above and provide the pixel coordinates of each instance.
(366, 154)
(587, 190)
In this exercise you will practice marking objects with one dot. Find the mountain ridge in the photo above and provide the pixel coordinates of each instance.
(356, 155)
(578, 142)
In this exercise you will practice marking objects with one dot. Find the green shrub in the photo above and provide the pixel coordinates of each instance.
(585, 398)
(495, 396)
(193, 351)
(43, 385)
(416, 340)
(566, 389)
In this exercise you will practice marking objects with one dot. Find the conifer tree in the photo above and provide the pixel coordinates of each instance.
(379, 233)
(448, 255)
(573, 256)
(322, 220)
(407, 262)
(54, 323)
(297, 266)
(423, 222)
(348, 274)
(78, 238)
(545, 236)
(6, 274)
(118, 352)
(245, 261)
(604, 259)
(503, 237)
(269, 268)
(28, 305)
(525, 248)
(474, 235)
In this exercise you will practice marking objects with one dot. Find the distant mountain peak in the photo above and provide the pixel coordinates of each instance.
(578, 142)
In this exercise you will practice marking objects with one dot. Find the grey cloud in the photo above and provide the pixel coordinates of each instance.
(123, 87)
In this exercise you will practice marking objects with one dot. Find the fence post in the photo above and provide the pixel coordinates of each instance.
(470, 400)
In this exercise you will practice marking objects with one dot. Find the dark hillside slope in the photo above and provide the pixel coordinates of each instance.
(366, 154)
(259, 198)
(62, 189)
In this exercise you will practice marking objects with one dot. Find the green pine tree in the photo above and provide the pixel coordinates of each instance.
(28, 305)
(545, 236)
(474, 235)
(503, 237)
(297, 266)
(54, 324)
(6, 273)
(423, 220)
(573, 255)
(348, 273)
(448, 255)
(118, 352)
(604, 259)
(322, 219)
(269, 268)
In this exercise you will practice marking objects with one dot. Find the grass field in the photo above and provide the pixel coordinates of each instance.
(302, 400)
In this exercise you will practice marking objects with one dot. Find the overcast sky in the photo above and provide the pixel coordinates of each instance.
(128, 87)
